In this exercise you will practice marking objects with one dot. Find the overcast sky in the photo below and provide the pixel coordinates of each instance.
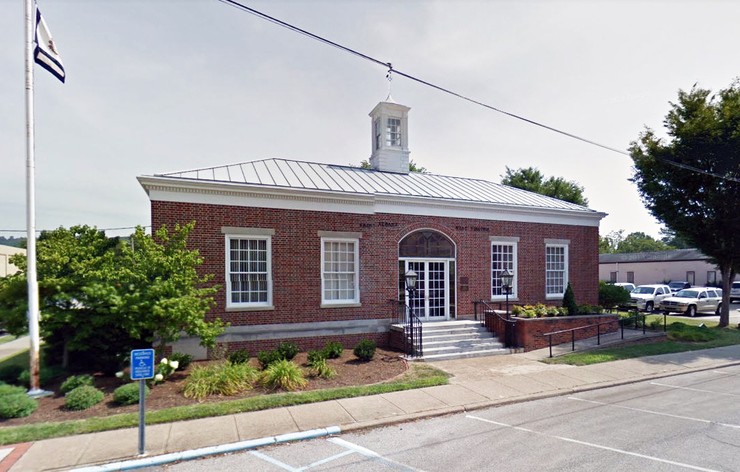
(159, 86)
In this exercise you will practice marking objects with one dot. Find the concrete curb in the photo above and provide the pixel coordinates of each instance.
(212, 450)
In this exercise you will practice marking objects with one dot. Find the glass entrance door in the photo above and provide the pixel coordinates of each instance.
(431, 298)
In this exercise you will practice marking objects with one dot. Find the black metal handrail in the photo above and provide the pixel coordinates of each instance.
(412, 330)
(621, 321)
(509, 335)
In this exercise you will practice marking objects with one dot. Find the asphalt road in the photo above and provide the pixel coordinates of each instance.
(683, 422)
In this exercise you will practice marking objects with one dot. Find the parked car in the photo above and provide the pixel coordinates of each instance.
(735, 292)
(693, 300)
(648, 297)
(625, 285)
(677, 285)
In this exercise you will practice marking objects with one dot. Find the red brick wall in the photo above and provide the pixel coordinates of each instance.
(529, 331)
(296, 257)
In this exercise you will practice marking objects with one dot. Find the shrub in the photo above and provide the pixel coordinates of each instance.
(266, 358)
(319, 368)
(240, 356)
(333, 350)
(10, 373)
(283, 374)
(17, 405)
(46, 375)
(316, 356)
(365, 350)
(128, 394)
(223, 378)
(184, 360)
(6, 389)
(83, 397)
(75, 381)
(611, 296)
(287, 350)
(540, 310)
(569, 301)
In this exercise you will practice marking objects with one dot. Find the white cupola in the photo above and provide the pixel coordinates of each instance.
(390, 137)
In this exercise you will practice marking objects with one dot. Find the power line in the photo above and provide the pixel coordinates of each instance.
(99, 229)
(376, 61)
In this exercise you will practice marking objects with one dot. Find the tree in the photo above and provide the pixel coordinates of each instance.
(691, 180)
(641, 242)
(101, 297)
(557, 187)
(413, 167)
(673, 240)
(155, 287)
(608, 244)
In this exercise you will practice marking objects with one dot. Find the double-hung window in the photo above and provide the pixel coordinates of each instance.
(249, 269)
(503, 257)
(393, 132)
(556, 269)
(340, 271)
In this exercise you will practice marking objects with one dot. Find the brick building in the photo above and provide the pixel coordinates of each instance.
(313, 252)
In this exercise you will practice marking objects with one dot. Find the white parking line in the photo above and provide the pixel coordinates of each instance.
(642, 410)
(597, 446)
(694, 389)
(350, 449)
(274, 461)
(370, 454)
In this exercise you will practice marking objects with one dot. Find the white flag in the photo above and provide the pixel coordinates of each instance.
(45, 53)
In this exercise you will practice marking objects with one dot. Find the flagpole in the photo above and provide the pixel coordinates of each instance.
(33, 286)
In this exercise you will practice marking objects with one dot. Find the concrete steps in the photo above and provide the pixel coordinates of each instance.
(443, 340)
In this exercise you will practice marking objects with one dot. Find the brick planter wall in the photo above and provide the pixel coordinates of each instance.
(529, 330)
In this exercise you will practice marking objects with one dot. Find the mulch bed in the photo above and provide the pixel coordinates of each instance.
(385, 366)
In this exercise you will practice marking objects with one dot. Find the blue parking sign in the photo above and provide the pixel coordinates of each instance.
(142, 364)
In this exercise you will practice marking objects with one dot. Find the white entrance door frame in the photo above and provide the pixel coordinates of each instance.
(432, 295)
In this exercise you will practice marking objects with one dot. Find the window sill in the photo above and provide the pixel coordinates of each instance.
(341, 305)
(554, 297)
(231, 309)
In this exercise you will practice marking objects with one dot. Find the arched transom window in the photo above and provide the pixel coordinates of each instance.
(426, 243)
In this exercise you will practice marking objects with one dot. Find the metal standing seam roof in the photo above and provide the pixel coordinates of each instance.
(283, 173)
(654, 256)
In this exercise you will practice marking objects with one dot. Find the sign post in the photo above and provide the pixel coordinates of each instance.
(142, 368)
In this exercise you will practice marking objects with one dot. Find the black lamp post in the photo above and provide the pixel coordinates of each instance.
(506, 279)
(410, 288)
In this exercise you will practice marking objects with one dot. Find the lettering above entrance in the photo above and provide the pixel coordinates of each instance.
(426, 243)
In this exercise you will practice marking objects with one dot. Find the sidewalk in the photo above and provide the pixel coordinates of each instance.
(15, 346)
(476, 383)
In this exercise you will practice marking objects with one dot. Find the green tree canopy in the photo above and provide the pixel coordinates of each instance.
(691, 180)
(616, 242)
(100, 297)
(533, 180)
(413, 167)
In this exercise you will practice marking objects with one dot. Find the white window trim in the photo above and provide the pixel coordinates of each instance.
(566, 255)
(245, 233)
(515, 265)
(346, 302)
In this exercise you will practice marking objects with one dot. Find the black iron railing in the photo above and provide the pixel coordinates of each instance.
(635, 320)
(412, 335)
(504, 328)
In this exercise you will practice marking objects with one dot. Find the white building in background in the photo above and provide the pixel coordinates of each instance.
(642, 268)
(6, 268)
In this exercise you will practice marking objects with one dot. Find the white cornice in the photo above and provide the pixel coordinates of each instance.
(246, 195)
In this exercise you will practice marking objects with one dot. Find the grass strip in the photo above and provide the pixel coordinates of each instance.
(720, 337)
(419, 376)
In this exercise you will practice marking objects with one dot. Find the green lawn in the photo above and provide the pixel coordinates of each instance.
(688, 337)
(419, 376)
(6, 338)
